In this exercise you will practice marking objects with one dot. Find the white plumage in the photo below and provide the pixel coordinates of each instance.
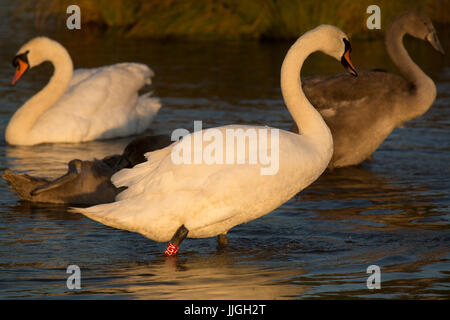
(84, 105)
(100, 103)
(209, 199)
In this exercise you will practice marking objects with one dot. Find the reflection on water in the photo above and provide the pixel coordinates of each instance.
(382, 204)
(392, 211)
(51, 160)
(210, 278)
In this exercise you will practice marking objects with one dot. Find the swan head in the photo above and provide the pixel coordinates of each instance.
(417, 25)
(80, 174)
(420, 26)
(74, 167)
(334, 42)
(32, 54)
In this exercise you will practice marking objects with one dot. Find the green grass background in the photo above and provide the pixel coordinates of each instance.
(231, 19)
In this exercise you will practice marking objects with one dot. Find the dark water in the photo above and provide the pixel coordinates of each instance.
(392, 212)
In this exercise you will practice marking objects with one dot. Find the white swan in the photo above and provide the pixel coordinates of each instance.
(165, 201)
(81, 105)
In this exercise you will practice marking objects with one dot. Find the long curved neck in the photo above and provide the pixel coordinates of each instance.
(423, 90)
(309, 121)
(26, 116)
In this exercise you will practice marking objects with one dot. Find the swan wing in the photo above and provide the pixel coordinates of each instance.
(101, 103)
(82, 74)
(70, 119)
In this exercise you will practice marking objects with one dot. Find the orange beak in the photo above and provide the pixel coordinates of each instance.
(347, 63)
(22, 66)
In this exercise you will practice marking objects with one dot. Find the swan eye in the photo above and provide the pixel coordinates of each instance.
(15, 62)
(75, 166)
(23, 57)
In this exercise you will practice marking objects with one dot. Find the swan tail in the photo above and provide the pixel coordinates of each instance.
(147, 108)
(140, 69)
(119, 214)
(100, 213)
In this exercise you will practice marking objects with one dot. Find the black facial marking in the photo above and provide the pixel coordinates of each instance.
(348, 46)
(23, 57)
(344, 62)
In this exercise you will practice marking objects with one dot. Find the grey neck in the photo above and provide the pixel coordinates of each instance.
(423, 89)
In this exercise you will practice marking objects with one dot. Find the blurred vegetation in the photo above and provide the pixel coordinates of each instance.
(232, 19)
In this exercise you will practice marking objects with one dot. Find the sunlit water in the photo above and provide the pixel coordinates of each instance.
(392, 212)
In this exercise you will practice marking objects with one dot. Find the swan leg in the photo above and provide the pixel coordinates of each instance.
(222, 240)
(174, 244)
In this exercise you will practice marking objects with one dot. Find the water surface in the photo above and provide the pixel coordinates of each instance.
(392, 212)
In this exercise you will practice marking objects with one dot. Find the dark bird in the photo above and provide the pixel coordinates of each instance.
(362, 111)
(86, 182)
